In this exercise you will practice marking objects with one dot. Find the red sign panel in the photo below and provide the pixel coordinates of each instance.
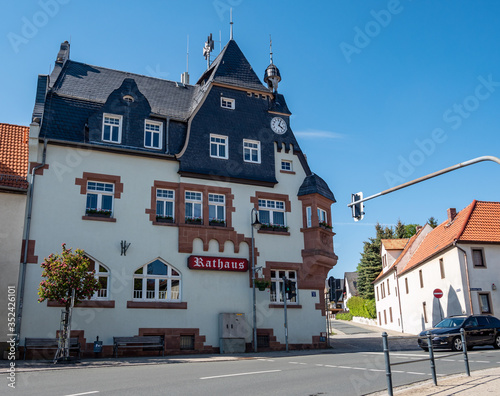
(217, 263)
(438, 293)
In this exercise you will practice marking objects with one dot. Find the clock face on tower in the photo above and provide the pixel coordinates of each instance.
(278, 125)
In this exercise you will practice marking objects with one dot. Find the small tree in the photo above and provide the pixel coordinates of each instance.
(67, 275)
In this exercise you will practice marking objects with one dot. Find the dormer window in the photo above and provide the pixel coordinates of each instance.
(128, 98)
(112, 128)
(152, 134)
(227, 103)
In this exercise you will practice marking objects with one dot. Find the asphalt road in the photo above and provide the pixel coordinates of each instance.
(330, 373)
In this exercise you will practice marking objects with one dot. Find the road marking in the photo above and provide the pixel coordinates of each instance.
(344, 367)
(482, 361)
(394, 354)
(330, 365)
(319, 365)
(234, 375)
(85, 393)
(358, 368)
(414, 372)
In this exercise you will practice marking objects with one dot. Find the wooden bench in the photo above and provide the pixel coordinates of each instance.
(149, 342)
(49, 343)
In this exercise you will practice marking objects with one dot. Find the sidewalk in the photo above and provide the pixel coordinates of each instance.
(480, 383)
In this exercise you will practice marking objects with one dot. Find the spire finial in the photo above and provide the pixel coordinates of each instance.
(271, 48)
(231, 23)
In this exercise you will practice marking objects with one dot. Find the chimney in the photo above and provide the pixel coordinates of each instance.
(452, 213)
(419, 228)
(185, 78)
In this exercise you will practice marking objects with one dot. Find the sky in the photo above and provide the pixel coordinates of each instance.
(382, 92)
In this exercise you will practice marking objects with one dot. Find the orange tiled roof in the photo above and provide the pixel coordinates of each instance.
(394, 244)
(483, 224)
(407, 245)
(478, 222)
(13, 155)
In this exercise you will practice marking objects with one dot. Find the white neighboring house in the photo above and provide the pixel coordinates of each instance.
(350, 287)
(461, 257)
(13, 189)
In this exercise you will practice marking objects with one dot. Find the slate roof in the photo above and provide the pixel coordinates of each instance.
(231, 67)
(478, 222)
(94, 83)
(352, 280)
(13, 156)
(394, 244)
(315, 184)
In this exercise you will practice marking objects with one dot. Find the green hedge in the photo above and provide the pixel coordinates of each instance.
(344, 316)
(360, 307)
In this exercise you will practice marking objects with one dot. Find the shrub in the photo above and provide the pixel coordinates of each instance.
(360, 307)
(344, 316)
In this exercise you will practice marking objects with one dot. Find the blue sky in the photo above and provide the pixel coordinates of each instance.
(381, 92)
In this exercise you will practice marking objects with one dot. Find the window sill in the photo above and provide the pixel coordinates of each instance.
(156, 305)
(287, 172)
(210, 227)
(99, 218)
(288, 305)
(86, 304)
(273, 232)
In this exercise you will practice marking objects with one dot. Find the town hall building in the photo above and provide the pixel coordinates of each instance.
(159, 182)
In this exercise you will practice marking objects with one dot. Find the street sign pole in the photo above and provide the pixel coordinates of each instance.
(438, 293)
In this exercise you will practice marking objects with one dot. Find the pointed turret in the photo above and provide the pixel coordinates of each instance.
(272, 75)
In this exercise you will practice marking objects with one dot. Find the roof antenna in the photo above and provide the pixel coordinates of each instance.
(231, 23)
(185, 75)
(209, 47)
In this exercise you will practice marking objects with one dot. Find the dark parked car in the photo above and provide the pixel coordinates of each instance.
(479, 330)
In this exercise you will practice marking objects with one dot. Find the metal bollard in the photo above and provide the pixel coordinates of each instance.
(387, 364)
(464, 348)
(431, 357)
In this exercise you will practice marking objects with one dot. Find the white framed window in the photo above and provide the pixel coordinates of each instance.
(153, 131)
(286, 166)
(251, 151)
(157, 281)
(112, 128)
(216, 208)
(165, 204)
(218, 146)
(272, 212)
(100, 198)
(322, 216)
(227, 103)
(309, 216)
(193, 202)
(277, 291)
(102, 275)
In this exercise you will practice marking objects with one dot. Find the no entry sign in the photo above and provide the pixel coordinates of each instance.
(438, 293)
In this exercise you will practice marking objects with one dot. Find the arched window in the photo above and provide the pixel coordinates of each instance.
(102, 275)
(157, 281)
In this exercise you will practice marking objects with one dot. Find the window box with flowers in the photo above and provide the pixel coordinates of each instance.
(164, 219)
(194, 220)
(325, 225)
(274, 227)
(217, 223)
(98, 213)
(262, 284)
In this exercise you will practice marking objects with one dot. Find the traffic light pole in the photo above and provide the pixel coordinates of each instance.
(427, 177)
(286, 318)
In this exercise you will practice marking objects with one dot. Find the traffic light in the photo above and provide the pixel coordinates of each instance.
(289, 289)
(357, 209)
(331, 291)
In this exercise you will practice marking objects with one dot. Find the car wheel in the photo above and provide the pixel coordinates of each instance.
(456, 344)
(496, 344)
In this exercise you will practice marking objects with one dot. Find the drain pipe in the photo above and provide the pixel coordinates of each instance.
(399, 299)
(22, 274)
(466, 275)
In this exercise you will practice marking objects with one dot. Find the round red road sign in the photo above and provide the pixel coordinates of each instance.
(438, 293)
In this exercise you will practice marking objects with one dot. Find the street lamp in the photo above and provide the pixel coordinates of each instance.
(255, 225)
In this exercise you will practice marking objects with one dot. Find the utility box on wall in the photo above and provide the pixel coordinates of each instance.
(232, 332)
